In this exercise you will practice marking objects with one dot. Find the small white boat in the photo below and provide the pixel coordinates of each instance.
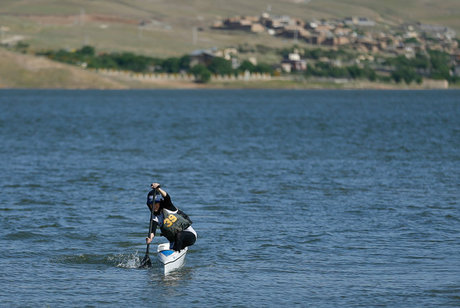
(170, 259)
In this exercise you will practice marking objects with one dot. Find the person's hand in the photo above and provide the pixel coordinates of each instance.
(155, 185)
(148, 240)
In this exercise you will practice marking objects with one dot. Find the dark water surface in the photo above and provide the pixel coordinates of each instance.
(303, 198)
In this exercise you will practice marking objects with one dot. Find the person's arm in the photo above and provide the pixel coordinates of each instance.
(161, 191)
(167, 203)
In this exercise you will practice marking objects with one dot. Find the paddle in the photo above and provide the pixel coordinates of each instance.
(146, 261)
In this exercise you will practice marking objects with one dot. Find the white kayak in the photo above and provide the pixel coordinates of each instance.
(170, 260)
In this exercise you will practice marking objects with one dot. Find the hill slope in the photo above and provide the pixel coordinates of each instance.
(25, 71)
(168, 24)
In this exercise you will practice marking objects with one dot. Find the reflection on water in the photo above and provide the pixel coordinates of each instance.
(175, 277)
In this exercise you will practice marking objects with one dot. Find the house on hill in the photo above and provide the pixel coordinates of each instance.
(246, 23)
(293, 63)
(296, 32)
(202, 56)
(359, 21)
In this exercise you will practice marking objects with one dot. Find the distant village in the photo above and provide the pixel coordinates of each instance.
(349, 48)
(360, 34)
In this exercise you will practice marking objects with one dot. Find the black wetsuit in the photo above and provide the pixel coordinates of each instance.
(185, 237)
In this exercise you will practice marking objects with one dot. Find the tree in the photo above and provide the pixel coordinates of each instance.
(370, 74)
(405, 73)
(313, 53)
(103, 61)
(131, 62)
(220, 66)
(171, 65)
(421, 61)
(247, 66)
(439, 64)
(411, 40)
(264, 68)
(355, 72)
(201, 73)
(86, 51)
(184, 63)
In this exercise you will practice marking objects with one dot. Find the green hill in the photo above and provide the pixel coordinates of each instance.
(176, 27)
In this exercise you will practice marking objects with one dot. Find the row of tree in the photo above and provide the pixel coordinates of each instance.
(434, 64)
(321, 69)
(86, 56)
(118, 61)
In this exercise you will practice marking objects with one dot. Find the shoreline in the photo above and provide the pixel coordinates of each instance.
(265, 85)
(114, 83)
(22, 71)
(221, 89)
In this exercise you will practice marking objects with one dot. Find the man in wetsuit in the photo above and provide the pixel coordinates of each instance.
(174, 224)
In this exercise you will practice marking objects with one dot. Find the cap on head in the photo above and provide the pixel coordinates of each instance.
(158, 198)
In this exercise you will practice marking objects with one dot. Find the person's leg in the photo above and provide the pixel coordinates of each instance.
(184, 239)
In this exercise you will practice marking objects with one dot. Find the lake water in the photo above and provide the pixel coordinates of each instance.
(299, 198)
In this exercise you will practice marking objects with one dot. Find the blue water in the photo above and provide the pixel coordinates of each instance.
(302, 198)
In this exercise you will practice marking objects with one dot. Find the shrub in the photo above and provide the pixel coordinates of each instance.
(201, 73)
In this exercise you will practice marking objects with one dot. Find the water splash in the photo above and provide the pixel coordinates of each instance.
(123, 260)
(127, 260)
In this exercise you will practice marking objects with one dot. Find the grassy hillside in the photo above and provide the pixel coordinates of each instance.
(25, 71)
(114, 25)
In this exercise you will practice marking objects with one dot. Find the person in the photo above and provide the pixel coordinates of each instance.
(174, 224)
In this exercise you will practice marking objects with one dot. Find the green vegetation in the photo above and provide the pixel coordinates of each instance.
(439, 64)
(322, 63)
(259, 68)
(318, 53)
(411, 40)
(351, 72)
(87, 57)
(201, 73)
(220, 66)
(434, 64)
(406, 74)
